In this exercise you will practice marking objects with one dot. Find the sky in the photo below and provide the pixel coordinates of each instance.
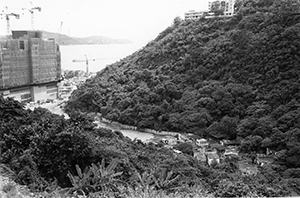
(138, 20)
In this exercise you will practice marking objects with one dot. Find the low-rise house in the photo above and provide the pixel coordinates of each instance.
(202, 142)
(231, 152)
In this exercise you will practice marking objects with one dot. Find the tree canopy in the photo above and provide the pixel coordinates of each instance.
(221, 77)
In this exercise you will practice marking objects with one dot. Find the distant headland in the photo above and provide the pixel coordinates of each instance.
(63, 39)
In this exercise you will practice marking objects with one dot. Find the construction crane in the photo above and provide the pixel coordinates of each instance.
(60, 30)
(86, 63)
(31, 10)
(7, 15)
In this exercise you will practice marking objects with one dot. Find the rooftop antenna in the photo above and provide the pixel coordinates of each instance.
(7, 15)
(31, 10)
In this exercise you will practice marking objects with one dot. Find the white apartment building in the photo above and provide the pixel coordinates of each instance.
(226, 5)
(194, 15)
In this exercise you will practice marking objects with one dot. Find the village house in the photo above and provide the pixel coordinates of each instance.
(231, 151)
(202, 142)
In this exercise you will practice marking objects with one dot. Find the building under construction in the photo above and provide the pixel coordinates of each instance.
(30, 67)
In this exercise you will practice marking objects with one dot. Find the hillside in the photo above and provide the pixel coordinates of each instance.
(226, 78)
(67, 40)
(61, 39)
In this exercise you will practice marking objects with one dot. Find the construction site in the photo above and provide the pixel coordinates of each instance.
(30, 66)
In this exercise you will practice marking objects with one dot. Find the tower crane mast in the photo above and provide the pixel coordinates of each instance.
(31, 10)
(7, 15)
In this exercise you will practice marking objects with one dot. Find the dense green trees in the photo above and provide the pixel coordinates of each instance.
(67, 74)
(227, 78)
(224, 77)
(41, 147)
(44, 150)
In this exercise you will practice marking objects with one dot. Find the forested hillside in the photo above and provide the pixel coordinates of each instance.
(218, 77)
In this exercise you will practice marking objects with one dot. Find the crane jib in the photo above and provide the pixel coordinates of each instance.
(94, 59)
(82, 60)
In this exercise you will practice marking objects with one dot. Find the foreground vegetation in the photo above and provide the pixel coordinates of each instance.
(62, 157)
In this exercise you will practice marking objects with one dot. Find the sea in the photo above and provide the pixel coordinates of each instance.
(99, 56)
